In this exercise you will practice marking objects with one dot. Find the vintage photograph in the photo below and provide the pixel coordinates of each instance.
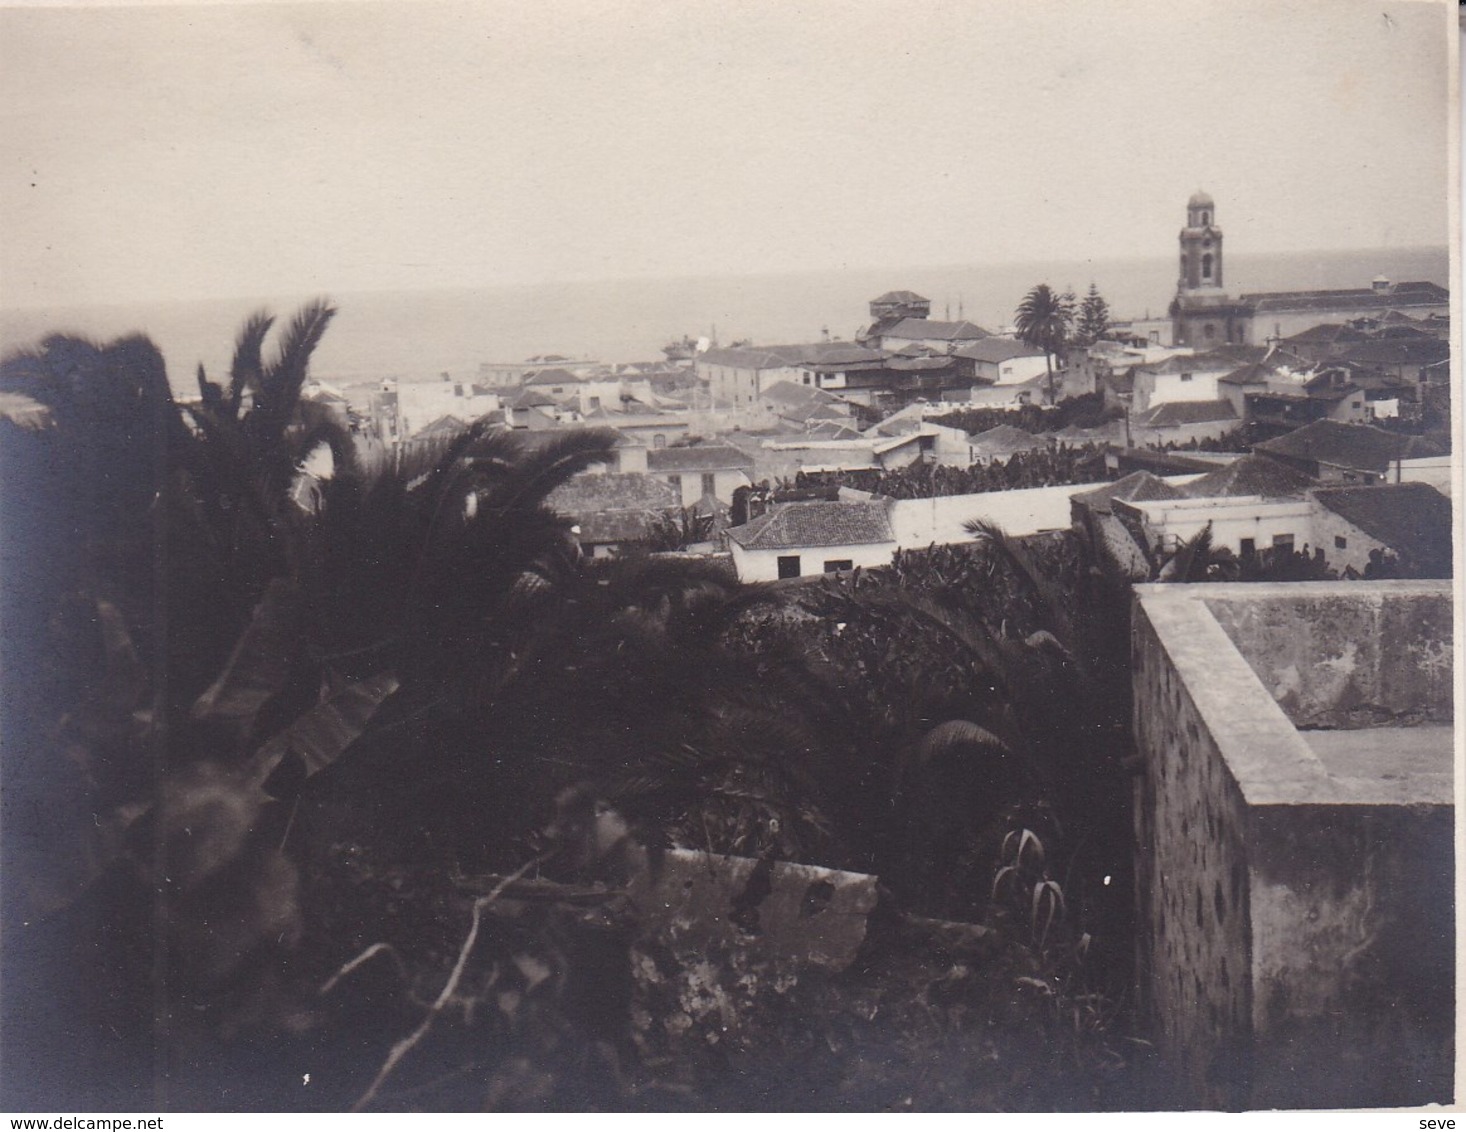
(638, 556)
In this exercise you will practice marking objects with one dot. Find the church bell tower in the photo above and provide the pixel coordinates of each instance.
(1201, 246)
(1202, 316)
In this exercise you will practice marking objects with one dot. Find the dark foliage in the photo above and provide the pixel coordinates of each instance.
(1088, 410)
(273, 744)
(1041, 468)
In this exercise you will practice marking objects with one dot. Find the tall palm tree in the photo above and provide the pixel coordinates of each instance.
(1043, 319)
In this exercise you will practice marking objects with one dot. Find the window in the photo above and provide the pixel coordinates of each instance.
(788, 565)
(675, 481)
(1209, 331)
(1341, 543)
(1205, 218)
(709, 484)
(1206, 266)
(1283, 542)
(659, 441)
(1248, 547)
(1185, 377)
(833, 565)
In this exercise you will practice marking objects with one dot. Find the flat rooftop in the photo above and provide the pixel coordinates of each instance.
(1320, 693)
(1388, 765)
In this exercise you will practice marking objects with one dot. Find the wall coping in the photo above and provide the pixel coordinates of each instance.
(1270, 761)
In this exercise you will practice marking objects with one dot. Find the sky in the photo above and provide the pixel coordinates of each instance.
(226, 149)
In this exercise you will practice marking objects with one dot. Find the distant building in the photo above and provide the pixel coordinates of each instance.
(1000, 361)
(940, 337)
(1183, 422)
(702, 472)
(794, 539)
(899, 305)
(1204, 315)
(402, 408)
(1410, 520)
(611, 511)
(1332, 452)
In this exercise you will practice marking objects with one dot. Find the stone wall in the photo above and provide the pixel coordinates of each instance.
(1346, 657)
(1295, 888)
(1193, 945)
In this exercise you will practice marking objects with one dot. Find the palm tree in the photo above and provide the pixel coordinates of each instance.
(1043, 320)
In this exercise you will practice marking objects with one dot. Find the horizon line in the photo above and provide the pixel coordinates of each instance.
(563, 281)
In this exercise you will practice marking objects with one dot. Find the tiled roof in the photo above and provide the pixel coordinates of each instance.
(1326, 333)
(697, 458)
(553, 377)
(612, 491)
(1004, 440)
(1411, 517)
(443, 425)
(799, 353)
(1255, 374)
(1250, 475)
(1398, 352)
(1400, 295)
(900, 297)
(1344, 445)
(815, 524)
(1331, 385)
(614, 507)
(1190, 363)
(743, 357)
(1137, 487)
(836, 354)
(1186, 412)
(998, 350)
(919, 365)
(819, 412)
(1419, 447)
(931, 329)
(831, 430)
(797, 397)
(1101, 434)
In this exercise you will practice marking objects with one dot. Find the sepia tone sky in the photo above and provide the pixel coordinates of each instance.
(224, 149)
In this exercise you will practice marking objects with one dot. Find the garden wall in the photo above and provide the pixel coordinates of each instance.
(1295, 887)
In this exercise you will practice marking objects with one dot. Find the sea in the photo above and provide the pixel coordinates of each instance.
(416, 335)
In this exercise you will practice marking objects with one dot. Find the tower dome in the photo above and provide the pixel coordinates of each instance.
(1200, 199)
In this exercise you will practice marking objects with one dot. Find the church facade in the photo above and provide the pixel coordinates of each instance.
(1204, 316)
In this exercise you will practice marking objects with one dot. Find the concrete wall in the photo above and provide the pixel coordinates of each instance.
(1325, 887)
(1341, 658)
(1152, 389)
(1232, 518)
(1195, 432)
(1329, 529)
(725, 483)
(920, 522)
(1434, 470)
(763, 565)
